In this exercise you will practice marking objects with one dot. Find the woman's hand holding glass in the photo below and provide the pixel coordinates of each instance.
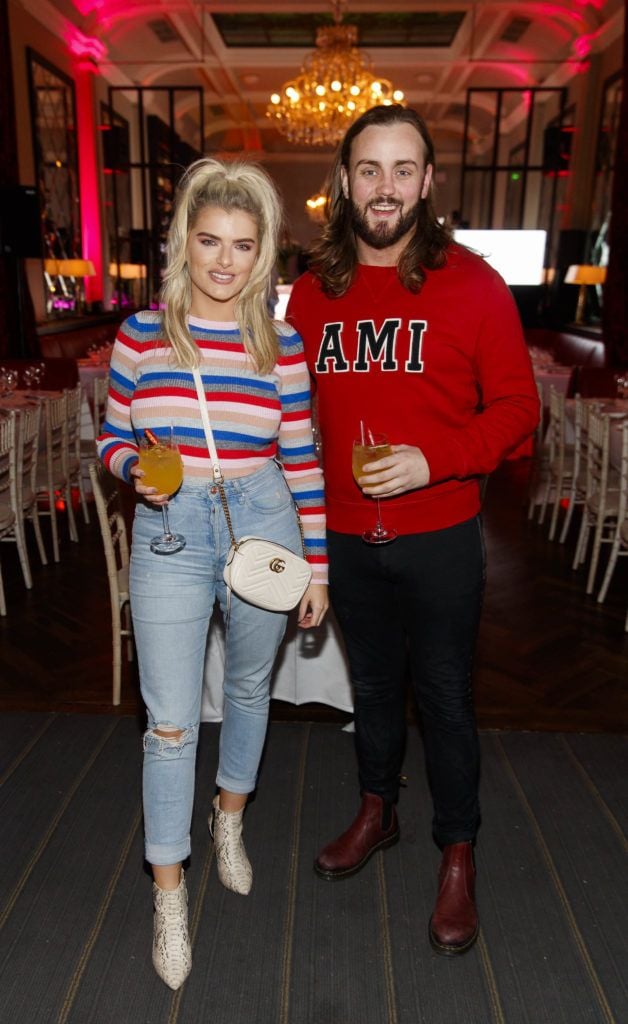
(150, 493)
(158, 474)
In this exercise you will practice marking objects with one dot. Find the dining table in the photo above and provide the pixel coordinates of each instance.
(21, 399)
(553, 376)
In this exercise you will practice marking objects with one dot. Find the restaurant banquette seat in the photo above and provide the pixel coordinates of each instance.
(567, 347)
(73, 341)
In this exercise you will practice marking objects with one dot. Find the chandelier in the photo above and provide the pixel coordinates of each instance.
(334, 87)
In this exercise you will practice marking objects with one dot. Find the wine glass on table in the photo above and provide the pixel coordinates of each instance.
(10, 379)
(160, 461)
(370, 447)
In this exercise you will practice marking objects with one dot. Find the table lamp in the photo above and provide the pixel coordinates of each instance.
(584, 274)
(75, 268)
(131, 272)
(128, 271)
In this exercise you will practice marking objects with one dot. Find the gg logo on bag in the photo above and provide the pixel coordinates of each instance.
(277, 565)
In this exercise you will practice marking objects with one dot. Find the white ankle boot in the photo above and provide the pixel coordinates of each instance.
(172, 956)
(234, 869)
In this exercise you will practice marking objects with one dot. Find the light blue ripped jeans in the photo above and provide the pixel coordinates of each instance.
(172, 599)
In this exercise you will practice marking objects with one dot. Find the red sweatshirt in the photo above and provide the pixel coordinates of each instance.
(446, 370)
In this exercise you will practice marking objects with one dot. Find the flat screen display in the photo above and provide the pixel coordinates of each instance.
(517, 255)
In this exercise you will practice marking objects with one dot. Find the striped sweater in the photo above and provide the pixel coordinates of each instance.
(254, 418)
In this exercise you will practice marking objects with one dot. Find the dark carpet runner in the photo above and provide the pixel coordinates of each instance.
(75, 897)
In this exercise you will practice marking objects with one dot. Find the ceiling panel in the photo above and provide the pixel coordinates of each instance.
(418, 28)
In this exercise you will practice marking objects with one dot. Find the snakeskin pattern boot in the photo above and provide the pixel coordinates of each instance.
(234, 869)
(172, 956)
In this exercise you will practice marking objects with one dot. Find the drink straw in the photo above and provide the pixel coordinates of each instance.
(362, 434)
(150, 437)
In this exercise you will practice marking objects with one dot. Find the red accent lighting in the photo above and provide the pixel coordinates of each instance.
(84, 46)
(582, 46)
(88, 181)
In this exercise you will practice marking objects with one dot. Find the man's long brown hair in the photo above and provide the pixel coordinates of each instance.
(334, 256)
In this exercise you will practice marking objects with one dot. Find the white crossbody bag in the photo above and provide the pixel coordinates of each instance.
(259, 571)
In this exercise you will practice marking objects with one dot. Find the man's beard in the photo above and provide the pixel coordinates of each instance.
(383, 235)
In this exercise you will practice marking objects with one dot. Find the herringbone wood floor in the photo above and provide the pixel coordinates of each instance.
(549, 657)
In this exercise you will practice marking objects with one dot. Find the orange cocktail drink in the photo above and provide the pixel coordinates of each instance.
(162, 467)
(363, 453)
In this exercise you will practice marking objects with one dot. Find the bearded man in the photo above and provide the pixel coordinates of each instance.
(409, 335)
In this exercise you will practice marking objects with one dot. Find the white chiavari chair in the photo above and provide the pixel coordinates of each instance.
(619, 545)
(22, 496)
(101, 391)
(578, 480)
(8, 488)
(75, 467)
(28, 456)
(560, 461)
(53, 470)
(116, 546)
(539, 470)
(99, 407)
(601, 505)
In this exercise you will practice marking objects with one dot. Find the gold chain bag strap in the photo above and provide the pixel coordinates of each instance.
(259, 571)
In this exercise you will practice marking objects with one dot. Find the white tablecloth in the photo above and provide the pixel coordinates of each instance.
(311, 668)
(24, 399)
(558, 378)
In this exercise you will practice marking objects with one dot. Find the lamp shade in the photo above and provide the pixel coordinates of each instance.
(585, 273)
(128, 271)
(70, 268)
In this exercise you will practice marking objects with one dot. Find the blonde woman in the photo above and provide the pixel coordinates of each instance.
(221, 252)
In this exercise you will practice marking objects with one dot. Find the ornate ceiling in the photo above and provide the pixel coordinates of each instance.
(240, 51)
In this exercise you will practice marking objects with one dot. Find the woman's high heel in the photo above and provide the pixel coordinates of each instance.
(234, 868)
(172, 955)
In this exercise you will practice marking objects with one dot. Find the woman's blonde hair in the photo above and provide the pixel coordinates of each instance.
(232, 186)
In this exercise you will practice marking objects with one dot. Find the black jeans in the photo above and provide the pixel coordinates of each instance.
(417, 598)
